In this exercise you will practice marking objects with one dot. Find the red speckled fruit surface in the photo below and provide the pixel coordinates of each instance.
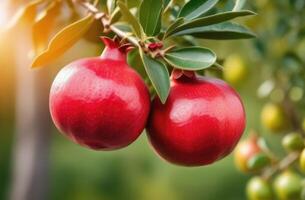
(201, 121)
(100, 102)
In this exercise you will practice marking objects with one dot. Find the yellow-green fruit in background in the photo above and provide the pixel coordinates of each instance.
(258, 189)
(244, 151)
(288, 186)
(235, 70)
(293, 142)
(302, 161)
(273, 117)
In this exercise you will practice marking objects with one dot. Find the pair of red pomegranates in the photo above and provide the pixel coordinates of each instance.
(103, 104)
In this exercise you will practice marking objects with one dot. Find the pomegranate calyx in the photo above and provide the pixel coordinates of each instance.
(155, 45)
(178, 74)
(114, 50)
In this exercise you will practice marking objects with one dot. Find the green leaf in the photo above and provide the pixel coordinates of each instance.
(123, 27)
(63, 40)
(239, 4)
(150, 16)
(133, 3)
(222, 31)
(258, 162)
(191, 58)
(166, 3)
(115, 16)
(158, 74)
(134, 60)
(196, 8)
(212, 19)
(132, 20)
(111, 5)
(173, 26)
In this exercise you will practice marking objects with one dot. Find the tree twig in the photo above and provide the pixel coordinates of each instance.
(283, 164)
(105, 20)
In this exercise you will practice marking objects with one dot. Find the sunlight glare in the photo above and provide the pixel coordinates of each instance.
(3, 14)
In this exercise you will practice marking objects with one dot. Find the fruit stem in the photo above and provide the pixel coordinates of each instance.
(283, 164)
(106, 22)
(218, 66)
(108, 27)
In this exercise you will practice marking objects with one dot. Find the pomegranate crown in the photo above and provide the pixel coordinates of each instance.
(115, 49)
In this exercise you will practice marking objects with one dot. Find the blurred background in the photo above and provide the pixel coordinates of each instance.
(36, 160)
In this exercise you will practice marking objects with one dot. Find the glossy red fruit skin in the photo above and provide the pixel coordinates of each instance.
(201, 121)
(100, 103)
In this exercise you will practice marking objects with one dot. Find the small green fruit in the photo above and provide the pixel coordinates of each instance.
(273, 117)
(293, 142)
(287, 186)
(258, 189)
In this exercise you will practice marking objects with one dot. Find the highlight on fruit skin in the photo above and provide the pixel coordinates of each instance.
(288, 186)
(259, 189)
(246, 150)
(235, 70)
(273, 118)
(100, 103)
(196, 126)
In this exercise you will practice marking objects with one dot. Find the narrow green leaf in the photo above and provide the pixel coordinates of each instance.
(150, 16)
(212, 19)
(191, 58)
(132, 20)
(63, 40)
(111, 5)
(166, 3)
(196, 8)
(133, 3)
(239, 4)
(158, 74)
(115, 15)
(222, 31)
(134, 60)
(173, 26)
(123, 27)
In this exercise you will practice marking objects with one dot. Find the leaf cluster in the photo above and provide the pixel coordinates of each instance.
(142, 23)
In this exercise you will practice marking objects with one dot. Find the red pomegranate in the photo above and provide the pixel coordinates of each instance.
(101, 102)
(201, 121)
